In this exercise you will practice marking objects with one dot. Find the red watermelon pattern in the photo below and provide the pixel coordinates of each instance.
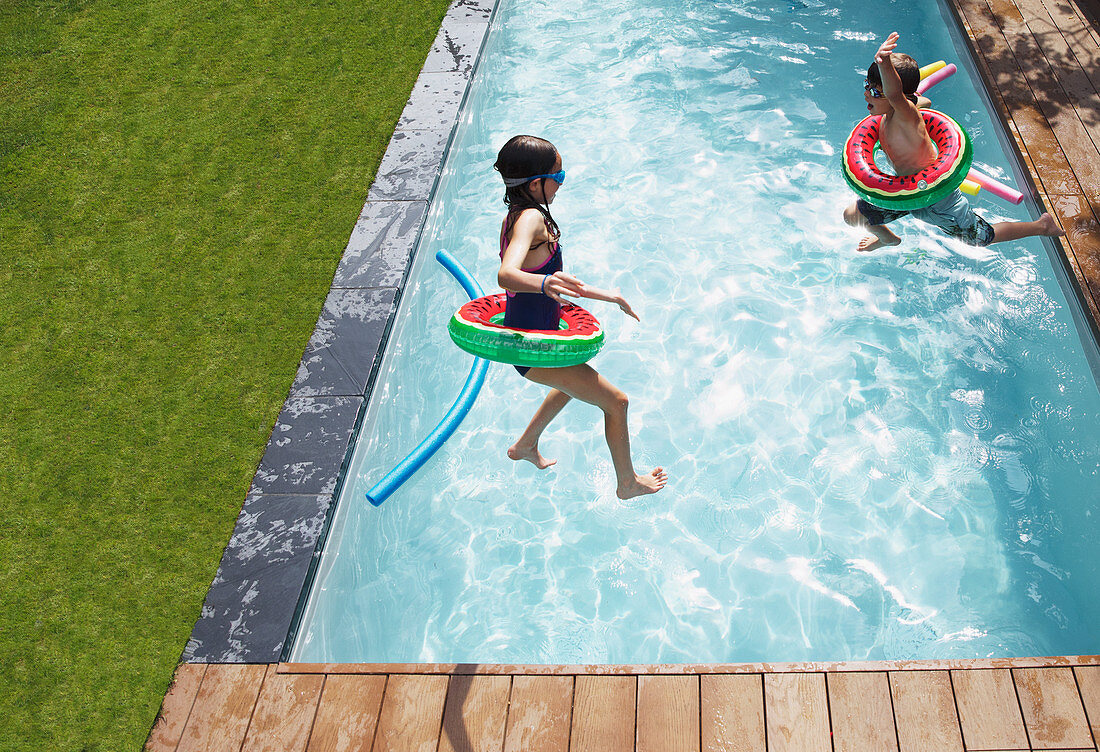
(877, 186)
(579, 322)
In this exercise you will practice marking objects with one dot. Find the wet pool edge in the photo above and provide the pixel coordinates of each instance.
(250, 609)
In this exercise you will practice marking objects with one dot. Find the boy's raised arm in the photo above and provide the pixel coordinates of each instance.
(891, 81)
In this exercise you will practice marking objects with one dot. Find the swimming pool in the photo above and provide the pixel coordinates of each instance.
(871, 456)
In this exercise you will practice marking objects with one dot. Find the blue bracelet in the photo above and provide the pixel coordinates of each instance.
(542, 288)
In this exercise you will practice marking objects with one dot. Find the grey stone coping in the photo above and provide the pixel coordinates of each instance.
(251, 603)
(244, 618)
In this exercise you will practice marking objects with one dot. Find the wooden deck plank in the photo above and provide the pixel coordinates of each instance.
(284, 713)
(1088, 684)
(988, 711)
(348, 714)
(1053, 713)
(1071, 74)
(1078, 35)
(1008, 13)
(862, 713)
(796, 711)
(924, 710)
(1054, 173)
(1091, 30)
(603, 714)
(476, 714)
(1072, 136)
(168, 728)
(733, 713)
(1082, 242)
(668, 714)
(223, 707)
(412, 713)
(539, 713)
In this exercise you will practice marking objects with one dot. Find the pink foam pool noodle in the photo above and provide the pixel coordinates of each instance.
(998, 189)
(945, 72)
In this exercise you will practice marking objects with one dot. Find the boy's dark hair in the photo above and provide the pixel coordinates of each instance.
(522, 157)
(908, 72)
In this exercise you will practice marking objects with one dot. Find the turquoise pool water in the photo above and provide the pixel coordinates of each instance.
(871, 456)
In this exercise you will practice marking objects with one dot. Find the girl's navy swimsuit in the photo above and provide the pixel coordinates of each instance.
(532, 310)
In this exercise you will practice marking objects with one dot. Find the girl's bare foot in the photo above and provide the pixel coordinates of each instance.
(643, 484)
(531, 454)
(872, 242)
(1049, 226)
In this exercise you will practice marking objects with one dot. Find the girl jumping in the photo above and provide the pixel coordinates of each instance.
(531, 273)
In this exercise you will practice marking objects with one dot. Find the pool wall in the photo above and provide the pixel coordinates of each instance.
(251, 604)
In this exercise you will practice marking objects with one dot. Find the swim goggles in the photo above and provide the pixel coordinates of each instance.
(558, 177)
(875, 93)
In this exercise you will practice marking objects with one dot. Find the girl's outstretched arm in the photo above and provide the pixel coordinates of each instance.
(594, 293)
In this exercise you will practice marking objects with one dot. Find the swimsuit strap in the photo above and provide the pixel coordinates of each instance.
(511, 219)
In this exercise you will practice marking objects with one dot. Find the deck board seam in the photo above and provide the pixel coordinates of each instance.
(958, 713)
(1020, 705)
(507, 711)
(1085, 707)
(893, 711)
(255, 706)
(316, 710)
(190, 708)
(381, 704)
(829, 709)
(442, 716)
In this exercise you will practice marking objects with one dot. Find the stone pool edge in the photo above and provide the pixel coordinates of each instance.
(251, 605)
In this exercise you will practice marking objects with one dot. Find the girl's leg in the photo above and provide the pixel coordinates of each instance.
(1044, 225)
(527, 446)
(584, 383)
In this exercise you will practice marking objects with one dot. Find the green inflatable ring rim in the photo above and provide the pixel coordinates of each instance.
(474, 328)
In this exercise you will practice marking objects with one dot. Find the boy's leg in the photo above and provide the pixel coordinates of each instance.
(957, 218)
(1044, 225)
(584, 383)
(854, 215)
(527, 446)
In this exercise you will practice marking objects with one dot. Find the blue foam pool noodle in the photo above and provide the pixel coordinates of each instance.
(404, 470)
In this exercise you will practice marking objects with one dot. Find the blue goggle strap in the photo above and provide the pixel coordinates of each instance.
(557, 177)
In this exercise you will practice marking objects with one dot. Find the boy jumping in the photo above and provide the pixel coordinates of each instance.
(891, 91)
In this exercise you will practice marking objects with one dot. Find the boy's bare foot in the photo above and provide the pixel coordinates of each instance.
(1049, 226)
(643, 484)
(871, 242)
(531, 454)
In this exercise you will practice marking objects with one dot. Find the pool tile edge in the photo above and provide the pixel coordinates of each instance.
(250, 606)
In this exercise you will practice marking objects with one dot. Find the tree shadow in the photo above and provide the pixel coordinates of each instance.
(1054, 59)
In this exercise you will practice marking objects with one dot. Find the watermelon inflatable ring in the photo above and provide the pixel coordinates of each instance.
(476, 328)
(932, 184)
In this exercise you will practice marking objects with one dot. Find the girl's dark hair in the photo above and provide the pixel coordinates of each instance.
(521, 157)
(908, 72)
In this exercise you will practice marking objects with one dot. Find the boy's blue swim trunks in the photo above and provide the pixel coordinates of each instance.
(953, 215)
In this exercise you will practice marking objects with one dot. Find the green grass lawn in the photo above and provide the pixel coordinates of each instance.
(177, 183)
